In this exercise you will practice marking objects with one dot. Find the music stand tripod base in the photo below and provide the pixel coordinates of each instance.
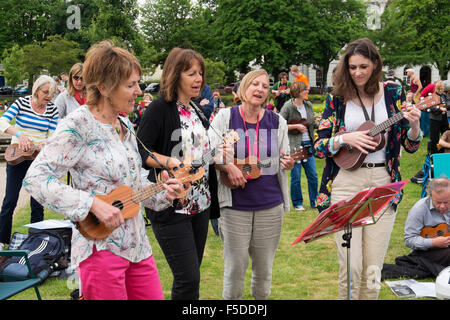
(347, 236)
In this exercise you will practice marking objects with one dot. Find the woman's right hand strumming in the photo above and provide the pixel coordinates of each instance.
(111, 216)
(359, 140)
(235, 175)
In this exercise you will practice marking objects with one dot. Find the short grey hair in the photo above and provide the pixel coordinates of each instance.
(42, 81)
(440, 184)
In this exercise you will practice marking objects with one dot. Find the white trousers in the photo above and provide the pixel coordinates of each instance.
(369, 244)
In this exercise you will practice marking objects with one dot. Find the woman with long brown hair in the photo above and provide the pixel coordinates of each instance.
(173, 130)
(359, 92)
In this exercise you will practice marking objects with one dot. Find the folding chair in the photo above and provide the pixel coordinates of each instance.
(440, 165)
(11, 285)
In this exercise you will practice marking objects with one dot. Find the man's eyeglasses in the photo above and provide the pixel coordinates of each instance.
(77, 78)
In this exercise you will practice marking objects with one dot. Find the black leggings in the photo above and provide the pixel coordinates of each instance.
(183, 243)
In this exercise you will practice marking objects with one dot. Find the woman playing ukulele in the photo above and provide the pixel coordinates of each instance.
(360, 96)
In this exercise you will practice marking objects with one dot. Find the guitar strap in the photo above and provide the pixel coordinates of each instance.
(165, 167)
(366, 115)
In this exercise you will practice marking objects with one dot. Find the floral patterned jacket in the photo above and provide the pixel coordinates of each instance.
(98, 162)
(333, 121)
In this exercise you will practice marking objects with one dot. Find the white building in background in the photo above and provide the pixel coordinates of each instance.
(427, 73)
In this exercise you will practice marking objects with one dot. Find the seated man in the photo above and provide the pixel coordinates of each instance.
(430, 254)
(428, 212)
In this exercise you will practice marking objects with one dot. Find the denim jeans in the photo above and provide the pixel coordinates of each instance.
(14, 177)
(309, 165)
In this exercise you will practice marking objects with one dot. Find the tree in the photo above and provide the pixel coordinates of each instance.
(330, 25)
(33, 62)
(253, 31)
(117, 20)
(12, 63)
(25, 22)
(215, 72)
(60, 54)
(165, 25)
(416, 32)
(277, 34)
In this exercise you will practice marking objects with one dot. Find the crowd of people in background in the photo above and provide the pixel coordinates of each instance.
(87, 123)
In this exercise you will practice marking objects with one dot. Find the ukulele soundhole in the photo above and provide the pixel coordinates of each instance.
(118, 204)
(440, 233)
(247, 168)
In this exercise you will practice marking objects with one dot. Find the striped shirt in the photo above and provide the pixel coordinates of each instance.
(38, 127)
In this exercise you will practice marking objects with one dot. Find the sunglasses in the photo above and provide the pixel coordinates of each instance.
(77, 78)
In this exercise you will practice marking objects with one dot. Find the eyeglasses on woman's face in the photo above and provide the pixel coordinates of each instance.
(77, 78)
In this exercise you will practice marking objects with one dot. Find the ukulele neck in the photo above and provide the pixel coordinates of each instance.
(146, 192)
(386, 124)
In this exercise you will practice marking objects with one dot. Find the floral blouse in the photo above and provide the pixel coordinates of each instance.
(195, 143)
(333, 121)
(98, 162)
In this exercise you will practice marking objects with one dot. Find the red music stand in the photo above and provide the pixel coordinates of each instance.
(362, 208)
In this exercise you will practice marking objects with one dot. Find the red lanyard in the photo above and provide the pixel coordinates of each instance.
(255, 142)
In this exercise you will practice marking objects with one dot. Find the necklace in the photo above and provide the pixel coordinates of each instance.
(118, 128)
(116, 125)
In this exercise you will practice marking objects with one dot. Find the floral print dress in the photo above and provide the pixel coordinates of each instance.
(99, 162)
(332, 121)
(195, 144)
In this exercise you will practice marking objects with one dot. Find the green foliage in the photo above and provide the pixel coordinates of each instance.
(12, 63)
(165, 25)
(416, 32)
(215, 71)
(60, 54)
(24, 22)
(55, 56)
(116, 20)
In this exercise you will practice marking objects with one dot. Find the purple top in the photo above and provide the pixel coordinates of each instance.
(263, 192)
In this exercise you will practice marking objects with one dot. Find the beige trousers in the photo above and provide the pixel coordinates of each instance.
(368, 244)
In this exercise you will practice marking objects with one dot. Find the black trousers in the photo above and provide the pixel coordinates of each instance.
(183, 242)
(436, 129)
(14, 177)
(440, 256)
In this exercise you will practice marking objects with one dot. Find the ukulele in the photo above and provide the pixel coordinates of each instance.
(195, 169)
(351, 158)
(14, 155)
(441, 230)
(302, 121)
(251, 167)
(124, 198)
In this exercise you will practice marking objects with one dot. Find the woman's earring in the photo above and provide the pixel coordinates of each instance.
(109, 100)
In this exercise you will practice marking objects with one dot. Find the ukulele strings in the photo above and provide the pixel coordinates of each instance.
(157, 187)
(146, 192)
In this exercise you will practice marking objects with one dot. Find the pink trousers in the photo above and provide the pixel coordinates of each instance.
(105, 276)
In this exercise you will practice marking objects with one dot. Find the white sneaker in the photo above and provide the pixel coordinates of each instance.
(299, 208)
(2, 246)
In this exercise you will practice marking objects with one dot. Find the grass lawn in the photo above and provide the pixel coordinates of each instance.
(300, 272)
